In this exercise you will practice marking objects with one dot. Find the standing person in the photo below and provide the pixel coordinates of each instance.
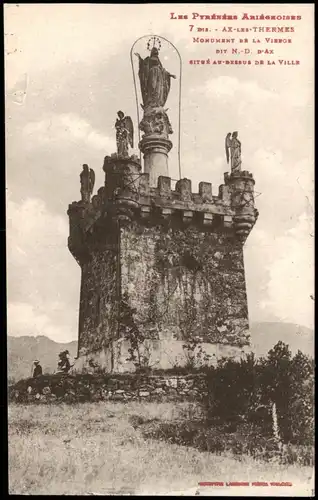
(37, 368)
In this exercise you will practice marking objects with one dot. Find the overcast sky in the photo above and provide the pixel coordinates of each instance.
(68, 72)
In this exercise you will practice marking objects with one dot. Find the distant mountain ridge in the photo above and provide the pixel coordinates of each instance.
(264, 335)
(22, 351)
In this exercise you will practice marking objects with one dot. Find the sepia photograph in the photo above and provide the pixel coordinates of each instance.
(160, 248)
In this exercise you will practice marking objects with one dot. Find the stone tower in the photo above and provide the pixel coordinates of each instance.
(162, 271)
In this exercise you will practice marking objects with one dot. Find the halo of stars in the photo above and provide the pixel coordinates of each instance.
(156, 42)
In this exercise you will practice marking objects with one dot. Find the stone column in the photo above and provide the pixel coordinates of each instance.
(155, 149)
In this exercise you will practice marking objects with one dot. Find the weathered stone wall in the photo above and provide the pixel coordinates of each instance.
(126, 387)
(168, 284)
(184, 283)
(99, 293)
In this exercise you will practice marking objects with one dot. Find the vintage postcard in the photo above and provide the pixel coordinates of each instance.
(160, 248)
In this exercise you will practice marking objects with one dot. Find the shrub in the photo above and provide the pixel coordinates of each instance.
(247, 390)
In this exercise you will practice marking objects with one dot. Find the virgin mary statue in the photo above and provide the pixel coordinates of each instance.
(154, 80)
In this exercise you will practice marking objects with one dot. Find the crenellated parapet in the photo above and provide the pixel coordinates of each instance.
(128, 195)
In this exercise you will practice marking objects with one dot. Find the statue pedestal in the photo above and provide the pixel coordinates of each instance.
(155, 149)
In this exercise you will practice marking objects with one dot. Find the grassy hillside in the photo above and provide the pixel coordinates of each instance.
(100, 448)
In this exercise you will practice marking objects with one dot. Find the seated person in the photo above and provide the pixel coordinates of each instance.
(37, 368)
(64, 363)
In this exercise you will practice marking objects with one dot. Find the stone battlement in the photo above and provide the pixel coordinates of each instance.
(127, 193)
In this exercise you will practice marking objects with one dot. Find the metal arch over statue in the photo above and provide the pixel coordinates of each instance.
(155, 83)
(155, 86)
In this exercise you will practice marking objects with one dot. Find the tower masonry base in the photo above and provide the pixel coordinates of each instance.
(164, 355)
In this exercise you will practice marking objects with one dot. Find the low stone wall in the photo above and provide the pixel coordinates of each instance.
(121, 387)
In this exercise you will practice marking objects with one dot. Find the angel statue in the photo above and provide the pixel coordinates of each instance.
(234, 145)
(124, 133)
(154, 79)
(87, 177)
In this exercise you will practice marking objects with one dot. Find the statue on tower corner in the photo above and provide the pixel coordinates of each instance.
(233, 146)
(124, 134)
(87, 178)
